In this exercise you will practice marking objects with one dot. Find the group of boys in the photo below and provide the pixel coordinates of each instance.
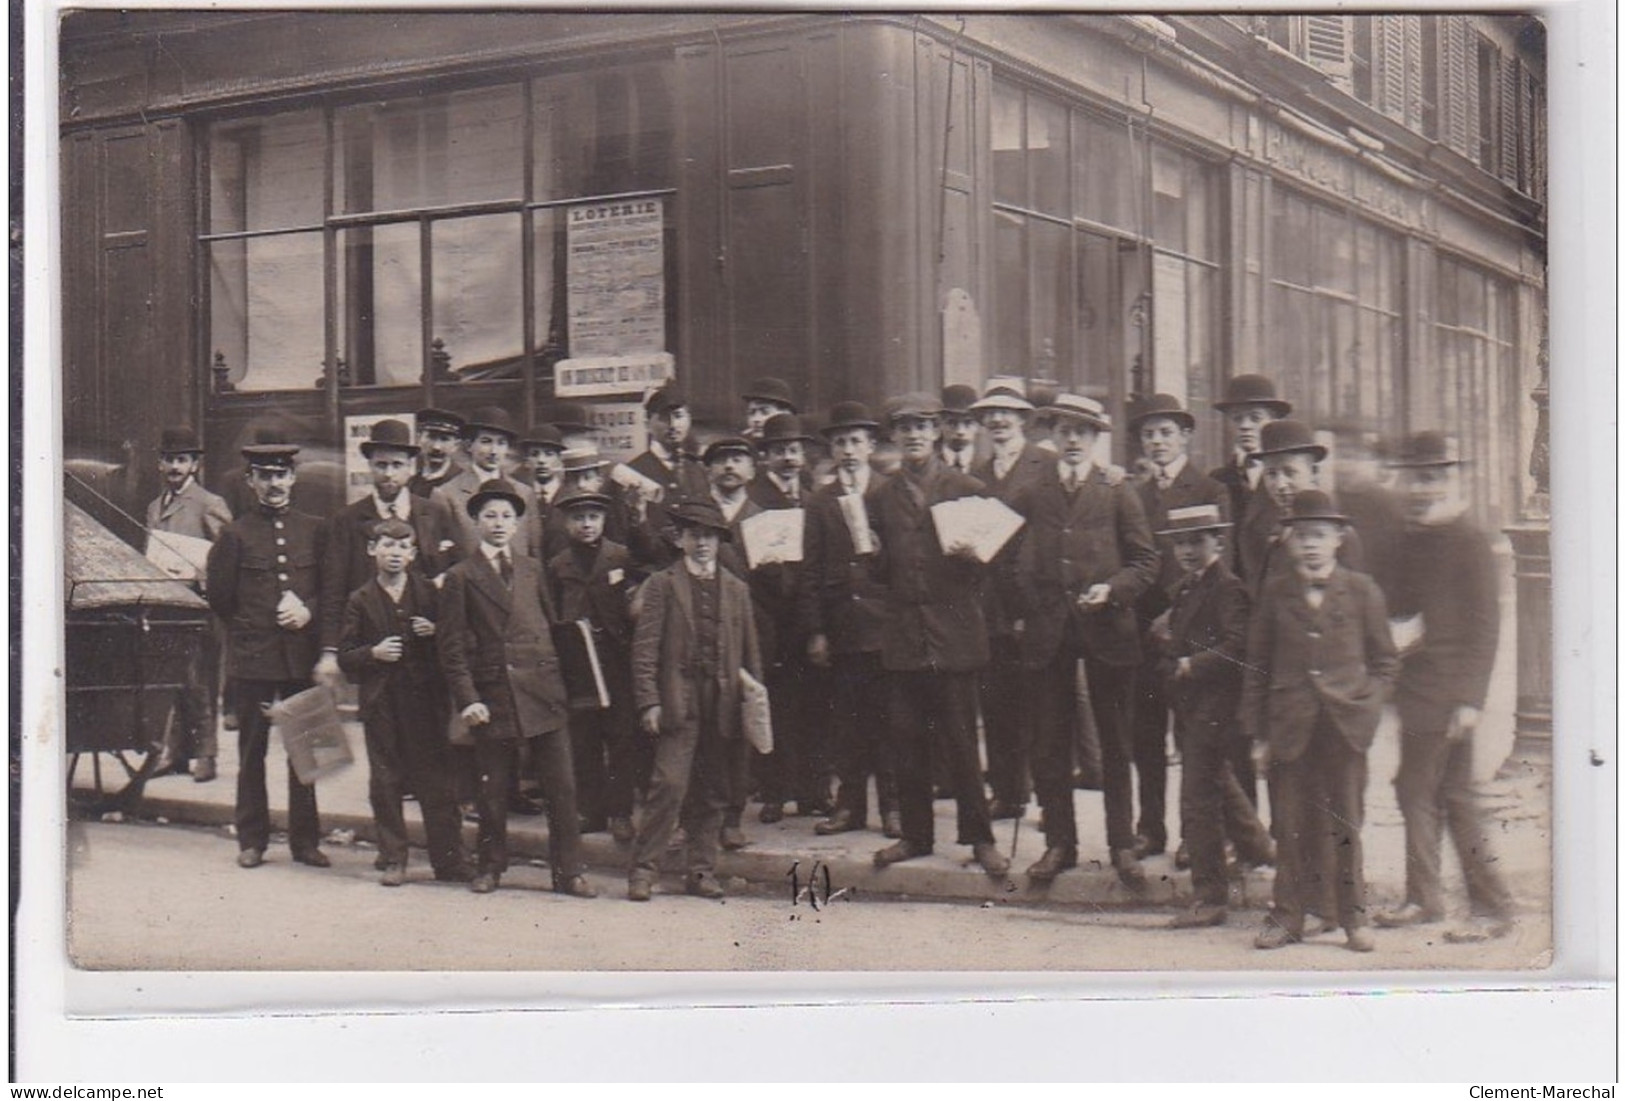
(1230, 604)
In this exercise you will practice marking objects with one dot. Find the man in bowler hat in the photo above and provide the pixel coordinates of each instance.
(1249, 402)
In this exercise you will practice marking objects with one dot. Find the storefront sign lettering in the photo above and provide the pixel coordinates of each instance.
(595, 376)
(616, 279)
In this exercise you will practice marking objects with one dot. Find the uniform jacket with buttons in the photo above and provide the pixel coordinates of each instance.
(1000, 597)
(496, 646)
(347, 565)
(370, 616)
(665, 657)
(1188, 488)
(1302, 662)
(934, 617)
(258, 557)
(1074, 541)
(194, 511)
(843, 599)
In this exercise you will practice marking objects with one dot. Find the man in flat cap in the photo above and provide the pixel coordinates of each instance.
(440, 437)
(264, 581)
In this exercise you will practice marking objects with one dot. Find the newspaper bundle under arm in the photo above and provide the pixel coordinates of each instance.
(755, 716)
(856, 515)
(773, 536)
(985, 524)
(629, 479)
(183, 557)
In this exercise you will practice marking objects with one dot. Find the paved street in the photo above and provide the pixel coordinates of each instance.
(169, 897)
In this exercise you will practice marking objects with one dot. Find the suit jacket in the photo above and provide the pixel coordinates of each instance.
(1188, 488)
(259, 556)
(455, 494)
(370, 616)
(1338, 659)
(1207, 623)
(1001, 595)
(347, 565)
(420, 486)
(686, 479)
(934, 617)
(1448, 575)
(193, 511)
(496, 646)
(601, 593)
(1075, 541)
(1266, 551)
(664, 653)
(843, 598)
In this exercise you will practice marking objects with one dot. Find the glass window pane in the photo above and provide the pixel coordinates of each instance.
(1047, 155)
(548, 246)
(1009, 163)
(606, 131)
(1170, 325)
(1105, 173)
(1334, 250)
(1094, 363)
(1052, 297)
(458, 147)
(265, 310)
(1010, 331)
(381, 312)
(1168, 198)
(478, 294)
(1291, 242)
(266, 173)
(1201, 228)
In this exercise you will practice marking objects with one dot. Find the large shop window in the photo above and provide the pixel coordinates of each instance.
(452, 228)
(1334, 329)
(1472, 390)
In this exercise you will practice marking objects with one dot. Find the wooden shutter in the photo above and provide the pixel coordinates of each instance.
(1327, 42)
(1411, 30)
(1389, 71)
(1458, 78)
(1507, 118)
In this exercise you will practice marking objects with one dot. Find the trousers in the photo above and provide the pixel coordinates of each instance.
(496, 759)
(862, 741)
(1435, 789)
(1002, 689)
(406, 751)
(1150, 741)
(1317, 806)
(1212, 807)
(1055, 705)
(689, 787)
(933, 715)
(253, 813)
(799, 766)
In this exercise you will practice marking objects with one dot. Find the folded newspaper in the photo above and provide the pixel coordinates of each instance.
(183, 557)
(773, 536)
(984, 524)
(629, 479)
(755, 716)
(312, 733)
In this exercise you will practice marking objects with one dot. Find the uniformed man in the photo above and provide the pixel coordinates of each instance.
(440, 435)
(264, 580)
(186, 508)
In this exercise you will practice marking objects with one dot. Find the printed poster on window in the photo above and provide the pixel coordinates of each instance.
(357, 430)
(616, 279)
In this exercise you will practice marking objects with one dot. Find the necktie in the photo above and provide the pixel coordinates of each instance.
(391, 512)
(505, 568)
(1071, 479)
(1163, 481)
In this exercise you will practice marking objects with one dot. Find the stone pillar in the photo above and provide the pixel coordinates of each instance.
(1531, 540)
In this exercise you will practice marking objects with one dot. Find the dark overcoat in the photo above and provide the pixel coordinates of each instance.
(999, 595)
(1207, 624)
(843, 598)
(347, 565)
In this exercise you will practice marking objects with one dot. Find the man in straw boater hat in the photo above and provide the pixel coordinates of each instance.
(697, 631)
(264, 582)
(496, 647)
(1249, 402)
(186, 508)
(1320, 667)
(440, 437)
(933, 640)
(1199, 660)
(489, 436)
(1086, 556)
(1013, 464)
(1446, 574)
(843, 615)
(1162, 428)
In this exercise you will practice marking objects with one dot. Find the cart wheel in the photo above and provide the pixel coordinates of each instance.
(108, 780)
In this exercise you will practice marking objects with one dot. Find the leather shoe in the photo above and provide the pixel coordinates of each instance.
(1182, 857)
(250, 858)
(1316, 926)
(455, 875)
(901, 851)
(639, 888)
(394, 875)
(1056, 859)
(732, 838)
(576, 886)
(621, 830)
(842, 821)
(891, 824)
(1000, 810)
(704, 885)
(1128, 868)
(314, 857)
(203, 770)
(484, 883)
(525, 806)
(1411, 913)
(771, 813)
(1199, 916)
(380, 862)
(993, 862)
(1275, 936)
(1361, 940)
(1478, 929)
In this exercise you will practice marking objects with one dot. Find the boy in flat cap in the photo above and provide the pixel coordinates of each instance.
(264, 582)
(1320, 666)
(387, 645)
(1446, 574)
(496, 648)
(696, 633)
(186, 508)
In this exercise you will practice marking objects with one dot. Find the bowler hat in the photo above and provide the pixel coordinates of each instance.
(1314, 504)
(698, 512)
(442, 420)
(1194, 518)
(850, 414)
(270, 456)
(770, 389)
(723, 445)
(491, 419)
(578, 459)
(496, 488)
(1285, 437)
(1003, 392)
(664, 400)
(1253, 390)
(542, 435)
(581, 498)
(1161, 405)
(1078, 407)
(1043, 391)
(1428, 448)
(958, 398)
(390, 527)
(179, 441)
(391, 434)
(782, 428)
(917, 404)
(569, 417)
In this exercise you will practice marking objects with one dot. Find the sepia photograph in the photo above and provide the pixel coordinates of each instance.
(805, 491)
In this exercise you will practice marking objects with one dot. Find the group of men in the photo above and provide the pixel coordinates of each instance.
(1230, 610)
